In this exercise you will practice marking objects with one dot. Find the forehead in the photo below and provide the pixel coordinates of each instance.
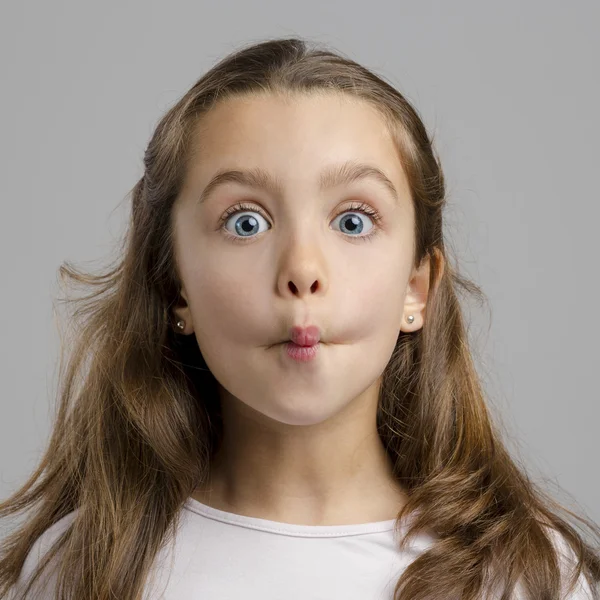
(237, 123)
(294, 136)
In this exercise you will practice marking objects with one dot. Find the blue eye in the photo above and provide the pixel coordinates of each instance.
(351, 222)
(247, 225)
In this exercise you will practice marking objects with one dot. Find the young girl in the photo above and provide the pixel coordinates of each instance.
(271, 394)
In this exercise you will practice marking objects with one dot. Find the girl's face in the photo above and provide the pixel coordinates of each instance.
(298, 253)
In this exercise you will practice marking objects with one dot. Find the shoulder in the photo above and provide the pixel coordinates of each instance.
(567, 564)
(39, 549)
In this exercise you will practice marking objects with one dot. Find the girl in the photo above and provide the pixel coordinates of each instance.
(271, 393)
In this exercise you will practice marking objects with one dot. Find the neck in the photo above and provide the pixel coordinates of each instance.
(335, 472)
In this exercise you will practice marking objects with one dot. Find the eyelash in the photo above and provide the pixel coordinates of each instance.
(360, 207)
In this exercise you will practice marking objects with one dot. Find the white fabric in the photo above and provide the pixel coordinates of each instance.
(219, 555)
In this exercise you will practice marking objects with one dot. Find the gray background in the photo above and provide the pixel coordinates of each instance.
(510, 90)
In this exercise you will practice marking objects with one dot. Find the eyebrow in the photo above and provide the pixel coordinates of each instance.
(332, 176)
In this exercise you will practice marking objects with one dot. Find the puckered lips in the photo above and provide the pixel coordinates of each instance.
(305, 336)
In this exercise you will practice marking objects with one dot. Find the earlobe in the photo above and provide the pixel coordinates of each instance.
(181, 315)
(410, 323)
(182, 325)
(415, 300)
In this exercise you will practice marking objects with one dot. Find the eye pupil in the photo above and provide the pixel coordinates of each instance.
(356, 223)
(246, 226)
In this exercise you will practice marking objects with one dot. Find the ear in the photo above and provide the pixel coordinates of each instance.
(182, 312)
(415, 300)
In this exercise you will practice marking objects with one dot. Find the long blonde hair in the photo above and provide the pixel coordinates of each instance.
(138, 414)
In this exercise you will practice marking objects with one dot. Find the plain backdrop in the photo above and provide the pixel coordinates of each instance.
(509, 89)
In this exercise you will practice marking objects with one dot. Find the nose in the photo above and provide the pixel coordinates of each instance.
(302, 266)
(299, 291)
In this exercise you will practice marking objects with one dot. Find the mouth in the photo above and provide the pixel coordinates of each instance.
(299, 345)
(302, 337)
(305, 336)
(301, 353)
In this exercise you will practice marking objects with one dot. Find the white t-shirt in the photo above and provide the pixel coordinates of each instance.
(218, 555)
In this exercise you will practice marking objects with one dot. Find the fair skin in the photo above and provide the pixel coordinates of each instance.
(300, 443)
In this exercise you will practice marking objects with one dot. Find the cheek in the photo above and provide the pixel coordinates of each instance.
(379, 289)
(223, 304)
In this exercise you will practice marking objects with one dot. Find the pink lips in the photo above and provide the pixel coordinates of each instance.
(305, 336)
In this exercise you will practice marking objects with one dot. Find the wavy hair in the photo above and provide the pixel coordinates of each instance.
(138, 418)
